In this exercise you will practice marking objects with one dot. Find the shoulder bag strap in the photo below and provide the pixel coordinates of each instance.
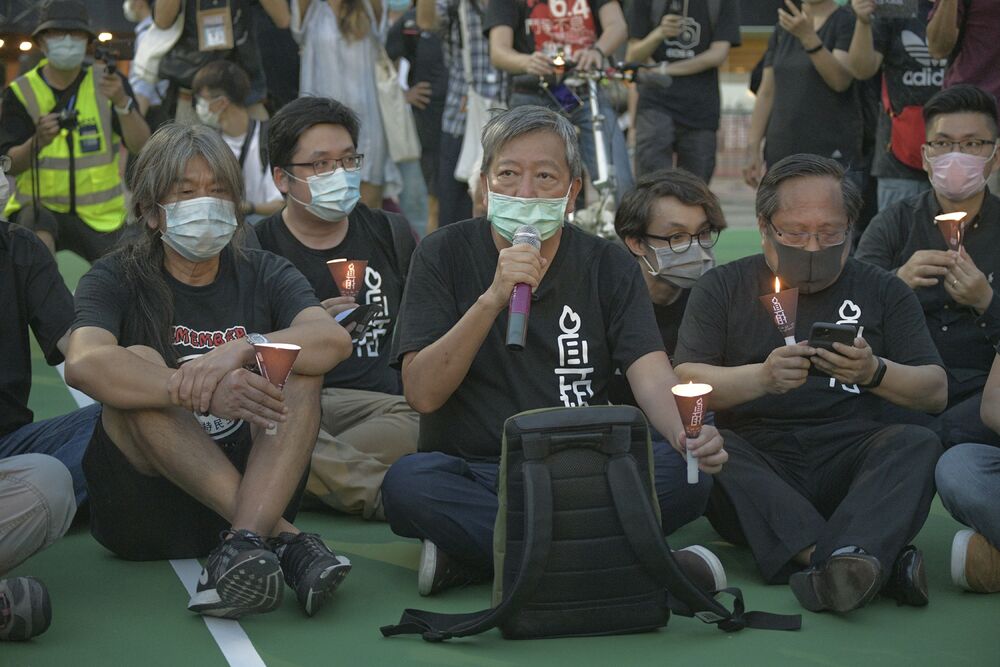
(435, 627)
(646, 537)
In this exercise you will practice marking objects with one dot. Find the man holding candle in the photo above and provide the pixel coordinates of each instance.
(366, 425)
(181, 454)
(590, 314)
(826, 496)
(955, 287)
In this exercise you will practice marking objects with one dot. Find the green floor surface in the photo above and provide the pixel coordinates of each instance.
(112, 612)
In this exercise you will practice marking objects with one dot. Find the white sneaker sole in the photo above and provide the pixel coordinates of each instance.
(718, 572)
(428, 566)
(959, 552)
(254, 586)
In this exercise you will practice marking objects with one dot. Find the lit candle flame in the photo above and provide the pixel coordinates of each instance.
(777, 285)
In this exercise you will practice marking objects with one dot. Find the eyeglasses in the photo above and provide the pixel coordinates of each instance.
(801, 239)
(5, 163)
(681, 241)
(970, 146)
(325, 166)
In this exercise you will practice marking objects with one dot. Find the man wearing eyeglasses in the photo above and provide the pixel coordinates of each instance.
(670, 222)
(366, 425)
(955, 288)
(826, 495)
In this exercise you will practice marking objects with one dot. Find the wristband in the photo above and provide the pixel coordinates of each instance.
(814, 49)
(877, 377)
(595, 47)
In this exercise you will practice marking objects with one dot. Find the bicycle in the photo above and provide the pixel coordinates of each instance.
(598, 217)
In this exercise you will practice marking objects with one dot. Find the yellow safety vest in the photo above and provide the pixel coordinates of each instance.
(99, 197)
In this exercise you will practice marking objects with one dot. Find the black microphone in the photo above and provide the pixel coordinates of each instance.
(520, 296)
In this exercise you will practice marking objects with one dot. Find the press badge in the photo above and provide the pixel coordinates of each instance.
(215, 25)
(90, 139)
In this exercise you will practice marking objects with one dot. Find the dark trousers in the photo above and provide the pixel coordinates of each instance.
(453, 502)
(454, 203)
(960, 422)
(69, 232)
(658, 137)
(854, 483)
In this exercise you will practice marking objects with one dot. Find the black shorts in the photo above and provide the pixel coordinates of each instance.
(69, 232)
(139, 517)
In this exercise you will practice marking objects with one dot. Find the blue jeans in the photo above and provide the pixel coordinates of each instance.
(892, 190)
(453, 502)
(968, 477)
(614, 138)
(64, 438)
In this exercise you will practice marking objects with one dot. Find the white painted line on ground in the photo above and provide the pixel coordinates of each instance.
(229, 635)
(82, 400)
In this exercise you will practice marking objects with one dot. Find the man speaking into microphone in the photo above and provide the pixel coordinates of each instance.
(465, 370)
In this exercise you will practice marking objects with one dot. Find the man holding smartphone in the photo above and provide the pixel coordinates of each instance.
(365, 423)
(826, 496)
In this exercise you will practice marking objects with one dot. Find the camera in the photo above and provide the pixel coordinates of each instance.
(68, 119)
(109, 57)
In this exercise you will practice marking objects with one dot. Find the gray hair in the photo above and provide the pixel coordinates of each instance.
(798, 166)
(510, 124)
(164, 158)
(149, 310)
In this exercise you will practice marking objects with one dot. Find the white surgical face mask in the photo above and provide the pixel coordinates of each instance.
(333, 195)
(65, 53)
(198, 229)
(206, 115)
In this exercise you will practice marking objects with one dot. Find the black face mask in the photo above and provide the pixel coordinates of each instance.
(809, 271)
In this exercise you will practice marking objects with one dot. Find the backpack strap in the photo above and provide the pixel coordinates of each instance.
(646, 537)
(265, 157)
(714, 9)
(434, 627)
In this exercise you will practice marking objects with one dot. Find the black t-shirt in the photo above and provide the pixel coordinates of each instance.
(591, 315)
(257, 293)
(668, 321)
(540, 24)
(17, 126)
(911, 77)
(807, 115)
(33, 294)
(964, 338)
(368, 238)
(726, 325)
(424, 51)
(692, 100)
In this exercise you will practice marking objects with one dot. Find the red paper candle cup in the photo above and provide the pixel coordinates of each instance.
(348, 274)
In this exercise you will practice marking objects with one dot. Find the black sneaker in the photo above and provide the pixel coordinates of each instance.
(438, 571)
(311, 569)
(25, 610)
(241, 576)
(702, 567)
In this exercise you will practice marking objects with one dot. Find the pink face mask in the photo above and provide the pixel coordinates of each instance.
(958, 176)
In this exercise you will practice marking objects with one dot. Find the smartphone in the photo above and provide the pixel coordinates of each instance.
(824, 334)
(359, 320)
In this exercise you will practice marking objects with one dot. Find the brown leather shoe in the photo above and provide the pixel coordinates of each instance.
(843, 583)
(975, 563)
